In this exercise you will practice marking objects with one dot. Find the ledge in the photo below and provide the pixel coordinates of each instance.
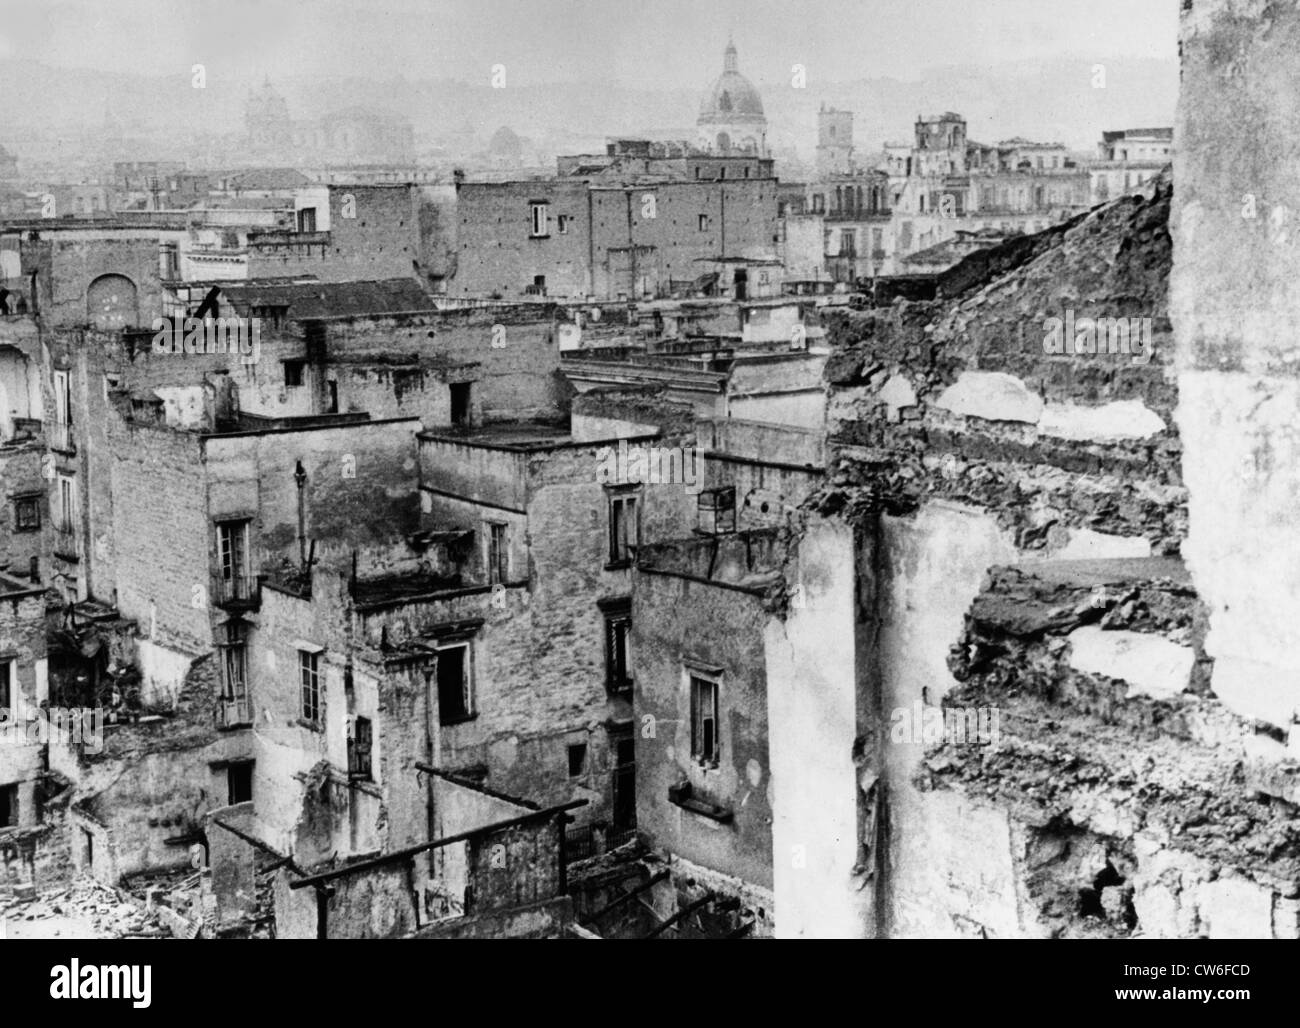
(681, 796)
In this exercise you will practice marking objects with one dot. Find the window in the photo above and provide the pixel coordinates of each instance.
(239, 782)
(307, 219)
(562, 223)
(624, 527)
(455, 700)
(27, 513)
(232, 559)
(577, 760)
(618, 647)
(360, 744)
(293, 373)
(8, 806)
(498, 556)
(309, 684)
(623, 744)
(6, 688)
(62, 398)
(704, 222)
(704, 721)
(540, 214)
(234, 675)
(67, 499)
(819, 203)
(460, 404)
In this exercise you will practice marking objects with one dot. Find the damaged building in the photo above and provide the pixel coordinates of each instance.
(561, 562)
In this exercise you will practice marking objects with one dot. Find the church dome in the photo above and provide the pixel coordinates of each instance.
(732, 97)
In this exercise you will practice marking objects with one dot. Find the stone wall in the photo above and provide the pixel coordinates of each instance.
(1126, 799)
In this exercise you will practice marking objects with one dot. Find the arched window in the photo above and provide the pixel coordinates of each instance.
(111, 303)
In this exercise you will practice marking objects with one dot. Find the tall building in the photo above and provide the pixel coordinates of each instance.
(731, 114)
(834, 141)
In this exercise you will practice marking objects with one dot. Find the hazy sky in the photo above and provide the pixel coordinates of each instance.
(645, 43)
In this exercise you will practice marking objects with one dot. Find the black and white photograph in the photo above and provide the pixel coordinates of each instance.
(476, 470)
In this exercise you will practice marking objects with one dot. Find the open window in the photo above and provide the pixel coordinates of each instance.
(460, 404)
(618, 645)
(233, 648)
(455, 683)
(705, 746)
(624, 527)
(360, 746)
(239, 782)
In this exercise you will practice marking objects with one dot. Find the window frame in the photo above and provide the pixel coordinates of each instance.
(584, 752)
(539, 219)
(239, 767)
(27, 522)
(66, 490)
(309, 677)
(359, 769)
(466, 711)
(299, 373)
(703, 687)
(619, 678)
(498, 552)
(618, 554)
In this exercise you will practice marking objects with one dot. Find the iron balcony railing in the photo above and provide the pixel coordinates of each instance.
(237, 592)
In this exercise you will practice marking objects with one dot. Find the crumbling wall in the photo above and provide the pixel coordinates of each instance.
(960, 400)
(964, 436)
(1234, 294)
(151, 785)
(1129, 797)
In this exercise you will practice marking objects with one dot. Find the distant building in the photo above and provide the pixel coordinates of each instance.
(571, 237)
(1128, 159)
(731, 114)
(834, 141)
(353, 134)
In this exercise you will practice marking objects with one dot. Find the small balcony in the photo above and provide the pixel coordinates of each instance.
(237, 592)
(235, 713)
(65, 542)
(61, 437)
